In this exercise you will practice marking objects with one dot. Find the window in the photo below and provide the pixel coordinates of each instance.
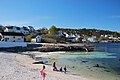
(2, 39)
(19, 39)
(5, 39)
(17, 28)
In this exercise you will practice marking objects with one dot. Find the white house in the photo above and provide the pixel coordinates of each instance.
(91, 39)
(24, 30)
(36, 39)
(31, 29)
(66, 35)
(10, 29)
(11, 37)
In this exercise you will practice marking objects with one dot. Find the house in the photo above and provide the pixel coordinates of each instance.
(91, 39)
(24, 30)
(73, 37)
(11, 37)
(10, 28)
(36, 39)
(59, 34)
(31, 29)
(66, 34)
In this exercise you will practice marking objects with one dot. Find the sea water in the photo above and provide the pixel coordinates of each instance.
(106, 55)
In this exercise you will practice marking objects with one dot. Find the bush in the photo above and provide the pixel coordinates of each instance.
(49, 38)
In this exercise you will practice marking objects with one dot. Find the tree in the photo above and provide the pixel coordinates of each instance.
(53, 30)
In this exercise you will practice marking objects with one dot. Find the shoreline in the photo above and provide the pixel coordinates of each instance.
(15, 64)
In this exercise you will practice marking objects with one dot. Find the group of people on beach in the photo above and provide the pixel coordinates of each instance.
(54, 68)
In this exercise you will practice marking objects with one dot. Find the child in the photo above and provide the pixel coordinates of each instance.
(43, 73)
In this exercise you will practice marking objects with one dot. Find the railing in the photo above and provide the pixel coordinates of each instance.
(12, 44)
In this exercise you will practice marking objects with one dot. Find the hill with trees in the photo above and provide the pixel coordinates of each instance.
(90, 32)
(49, 35)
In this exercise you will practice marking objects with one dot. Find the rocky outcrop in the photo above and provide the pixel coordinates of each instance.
(62, 48)
(48, 48)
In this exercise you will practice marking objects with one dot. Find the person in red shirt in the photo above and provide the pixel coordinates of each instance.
(43, 74)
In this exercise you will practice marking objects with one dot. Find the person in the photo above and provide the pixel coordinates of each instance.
(43, 74)
(65, 69)
(54, 68)
(97, 65)
(61, 69)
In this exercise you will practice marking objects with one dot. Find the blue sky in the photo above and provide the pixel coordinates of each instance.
(76, 14)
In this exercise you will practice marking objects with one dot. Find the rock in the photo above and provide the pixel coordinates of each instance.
(39, 62)
(73, 67)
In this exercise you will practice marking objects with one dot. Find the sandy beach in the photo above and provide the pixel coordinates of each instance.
(20, 67)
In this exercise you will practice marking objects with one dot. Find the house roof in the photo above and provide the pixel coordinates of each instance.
(34, 36)
(11, 34)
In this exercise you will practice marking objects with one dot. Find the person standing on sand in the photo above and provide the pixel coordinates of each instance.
(43, 74)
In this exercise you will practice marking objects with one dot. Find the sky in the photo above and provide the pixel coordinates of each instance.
(74, 14)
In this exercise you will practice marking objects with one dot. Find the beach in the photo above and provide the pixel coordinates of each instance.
(14, 66)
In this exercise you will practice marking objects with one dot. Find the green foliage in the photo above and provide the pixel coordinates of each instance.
(49, 38)
(68, 40)
(28, 37)
(79, 40)
(49, 35)
(53, 30)
(61, 40)
(42, 32)
(2, 28)
(102, 38)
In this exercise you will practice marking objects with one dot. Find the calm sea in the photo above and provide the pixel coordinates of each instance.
(107, 47)
(106, 55)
